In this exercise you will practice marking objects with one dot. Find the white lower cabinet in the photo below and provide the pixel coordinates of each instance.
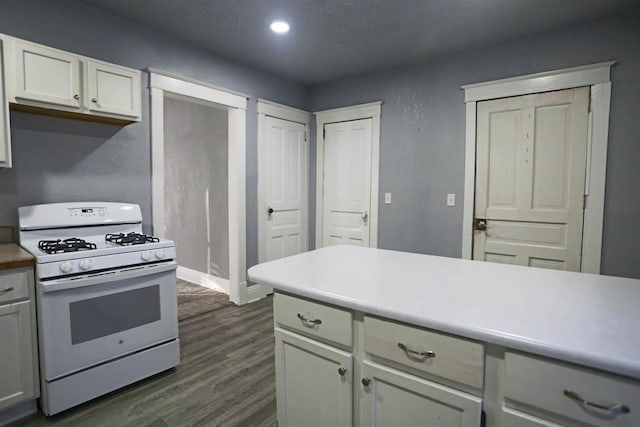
(394, 398)
(554, 390)
(511, 418)
(314, 382)
(17, 382)
(337, 367)
(19, 378)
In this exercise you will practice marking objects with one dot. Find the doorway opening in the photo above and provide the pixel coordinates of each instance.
(198, 180)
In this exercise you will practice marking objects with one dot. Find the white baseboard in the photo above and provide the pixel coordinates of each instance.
(207, 280)
(257, 292)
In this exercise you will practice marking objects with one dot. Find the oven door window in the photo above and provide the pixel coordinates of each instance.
(106, 315)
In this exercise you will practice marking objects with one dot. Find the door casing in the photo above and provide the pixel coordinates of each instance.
(161, 83)
(598, 77)
(345, 114)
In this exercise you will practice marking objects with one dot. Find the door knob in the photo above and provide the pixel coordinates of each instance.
(479, 224)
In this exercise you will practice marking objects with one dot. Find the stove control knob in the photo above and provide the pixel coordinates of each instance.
(146, 256)
(66, 267)
(159, 253)
(85, 264)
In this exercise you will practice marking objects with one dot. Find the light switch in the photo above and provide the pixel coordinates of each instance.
(387, 198)
(451, 199)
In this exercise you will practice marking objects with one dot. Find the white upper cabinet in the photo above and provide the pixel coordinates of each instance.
(5, 134)
(45, 80)
(112, 89)
(46, 75)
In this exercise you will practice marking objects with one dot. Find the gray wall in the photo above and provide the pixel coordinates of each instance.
(196, 204)
(59, 160)
(422, 133)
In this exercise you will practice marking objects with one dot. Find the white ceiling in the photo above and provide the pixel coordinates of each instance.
(330, 39)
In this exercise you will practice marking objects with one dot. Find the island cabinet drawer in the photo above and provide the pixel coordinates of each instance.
(14, 286)
(584, 395)
(449, 357)
(313, 319)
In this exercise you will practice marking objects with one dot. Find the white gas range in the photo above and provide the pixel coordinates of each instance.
(106, 299)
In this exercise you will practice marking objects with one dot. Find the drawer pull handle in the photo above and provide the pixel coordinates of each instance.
(425, 354)
(615, 408)
(309, 322)
(7, 290)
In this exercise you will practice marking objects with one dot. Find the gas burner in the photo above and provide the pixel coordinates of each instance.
(130, 239)
(58, 246)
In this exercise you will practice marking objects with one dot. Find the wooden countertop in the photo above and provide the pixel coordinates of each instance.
(13, 256)
(579, 318)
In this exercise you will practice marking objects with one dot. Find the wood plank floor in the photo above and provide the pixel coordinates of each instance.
(226, 378)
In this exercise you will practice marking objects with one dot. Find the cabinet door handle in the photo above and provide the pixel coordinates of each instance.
(614, 408)
(342, 371)
(425, 354)
(94, 100)
(309, 322)
(366, 382)
(76, 97)
(7, 290)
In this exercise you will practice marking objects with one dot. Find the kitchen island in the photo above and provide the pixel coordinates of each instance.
(517, 345)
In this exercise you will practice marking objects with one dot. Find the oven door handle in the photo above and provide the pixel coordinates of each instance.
(105, 277)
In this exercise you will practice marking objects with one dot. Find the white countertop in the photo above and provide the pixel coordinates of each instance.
(581, 318)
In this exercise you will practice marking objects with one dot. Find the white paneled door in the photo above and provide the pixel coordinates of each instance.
(530, 179)
(347, 183)
(285, 175)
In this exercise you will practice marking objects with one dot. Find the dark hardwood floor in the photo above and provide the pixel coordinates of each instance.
(226, 378)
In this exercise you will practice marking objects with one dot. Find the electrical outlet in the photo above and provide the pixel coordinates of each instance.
(451, 199)
(387, 198)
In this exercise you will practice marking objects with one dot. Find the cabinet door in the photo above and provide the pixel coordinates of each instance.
(393, 398)
(5, 135)
(313, 383)
(47, 76)
(112, 90)
(16, 354)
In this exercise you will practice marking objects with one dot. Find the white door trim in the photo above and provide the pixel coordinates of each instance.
(236, 106)
(597, 76)
(345, 114)
(282, 112)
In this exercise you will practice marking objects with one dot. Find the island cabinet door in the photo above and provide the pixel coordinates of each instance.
(313, 383)
(394, 398)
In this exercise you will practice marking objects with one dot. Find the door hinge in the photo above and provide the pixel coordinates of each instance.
(305, 136)
(483, 419)
(589, 104)
(324, 133)
(584, 201)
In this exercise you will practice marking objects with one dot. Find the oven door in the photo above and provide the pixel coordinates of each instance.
(88, 320)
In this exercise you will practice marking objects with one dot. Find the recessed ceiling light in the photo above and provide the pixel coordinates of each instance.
(279, 27)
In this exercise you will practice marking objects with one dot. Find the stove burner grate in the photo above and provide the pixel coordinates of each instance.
(130, 239)
(58, 246)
